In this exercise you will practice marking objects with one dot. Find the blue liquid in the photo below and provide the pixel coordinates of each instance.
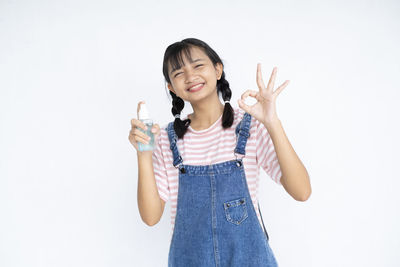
(150, 145)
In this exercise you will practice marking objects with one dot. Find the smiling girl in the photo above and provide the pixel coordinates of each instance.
(207, 163)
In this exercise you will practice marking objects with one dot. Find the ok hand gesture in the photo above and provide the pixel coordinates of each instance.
(264, 110)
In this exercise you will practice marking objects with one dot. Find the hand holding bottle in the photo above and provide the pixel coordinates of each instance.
(143, 133)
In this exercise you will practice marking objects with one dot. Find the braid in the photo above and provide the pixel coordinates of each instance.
(180, 126)
(228, 114)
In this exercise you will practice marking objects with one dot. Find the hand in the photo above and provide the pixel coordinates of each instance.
(135, 135)
(264, 110)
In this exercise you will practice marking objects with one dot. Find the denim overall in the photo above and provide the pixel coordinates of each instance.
(216, 223)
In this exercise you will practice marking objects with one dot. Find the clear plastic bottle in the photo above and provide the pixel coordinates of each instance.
(145, 118)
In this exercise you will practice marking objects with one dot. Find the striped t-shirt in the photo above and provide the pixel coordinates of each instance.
(211, 146)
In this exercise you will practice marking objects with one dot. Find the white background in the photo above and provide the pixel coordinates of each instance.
(72, 73)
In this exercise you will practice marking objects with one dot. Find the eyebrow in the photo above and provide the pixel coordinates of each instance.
(199, 59)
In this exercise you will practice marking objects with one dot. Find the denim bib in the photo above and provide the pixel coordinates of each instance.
(216, 223)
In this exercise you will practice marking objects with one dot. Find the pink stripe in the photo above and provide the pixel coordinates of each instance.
(174, 187)
(274, 168)
(163, 190)
(260, 154)
(270, 153)
(208, 135)
(165, 199)
(197, 159)
(251, 182)
(206, 144)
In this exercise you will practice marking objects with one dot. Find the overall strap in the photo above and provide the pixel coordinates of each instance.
(242, 133)
(173, 139)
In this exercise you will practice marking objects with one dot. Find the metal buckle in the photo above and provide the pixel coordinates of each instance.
(180, 159)
(239, 161)
(181, 169)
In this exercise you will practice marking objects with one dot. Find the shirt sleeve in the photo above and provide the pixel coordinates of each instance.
(160, 171)
(266, 155)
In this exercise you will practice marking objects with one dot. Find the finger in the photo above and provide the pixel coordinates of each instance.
(140, 134)
(155, 129)
(131, 139)
(251, 93)
(137, 123)
(280, 88)
(138, 107)
(141, 140)
(243, 106)
(271, 82)
(259, 78)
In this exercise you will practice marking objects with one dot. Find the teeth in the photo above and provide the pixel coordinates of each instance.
(197, 86)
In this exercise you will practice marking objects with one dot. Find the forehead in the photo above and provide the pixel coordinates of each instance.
(185, 56)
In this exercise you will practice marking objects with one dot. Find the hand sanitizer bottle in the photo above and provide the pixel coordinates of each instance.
(145, 118)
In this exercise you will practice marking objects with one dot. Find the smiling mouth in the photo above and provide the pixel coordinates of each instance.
(196, 87)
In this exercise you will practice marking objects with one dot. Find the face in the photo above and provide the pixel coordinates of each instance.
(197, 78)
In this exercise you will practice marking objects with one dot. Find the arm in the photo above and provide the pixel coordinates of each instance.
(295, 178)
(151, 206)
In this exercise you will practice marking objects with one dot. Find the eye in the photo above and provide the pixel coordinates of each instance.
(199, 65)
(177, 74)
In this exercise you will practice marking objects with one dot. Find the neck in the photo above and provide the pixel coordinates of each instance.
(206, 113)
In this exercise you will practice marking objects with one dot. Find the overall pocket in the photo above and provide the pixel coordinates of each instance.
(236, 210)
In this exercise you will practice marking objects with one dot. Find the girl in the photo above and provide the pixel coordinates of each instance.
(208, 163)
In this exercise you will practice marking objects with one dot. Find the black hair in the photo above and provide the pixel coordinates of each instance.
(173, 56)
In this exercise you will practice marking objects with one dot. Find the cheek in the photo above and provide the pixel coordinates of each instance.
(179, 86)
(212, 75)
(212, 78)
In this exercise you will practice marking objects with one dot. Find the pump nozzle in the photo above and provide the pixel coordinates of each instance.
(143, 112)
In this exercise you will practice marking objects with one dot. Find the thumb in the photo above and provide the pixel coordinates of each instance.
(243, 106)
(155, 129)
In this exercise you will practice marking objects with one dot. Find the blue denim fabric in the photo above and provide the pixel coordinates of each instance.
(216, 223)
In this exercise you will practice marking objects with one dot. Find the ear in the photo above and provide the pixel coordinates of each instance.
(170, 88)
(219, 68)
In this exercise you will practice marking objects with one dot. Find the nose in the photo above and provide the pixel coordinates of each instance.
(190, 76)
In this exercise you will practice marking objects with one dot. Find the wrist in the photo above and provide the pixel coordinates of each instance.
(273, 123)
(144, 154)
